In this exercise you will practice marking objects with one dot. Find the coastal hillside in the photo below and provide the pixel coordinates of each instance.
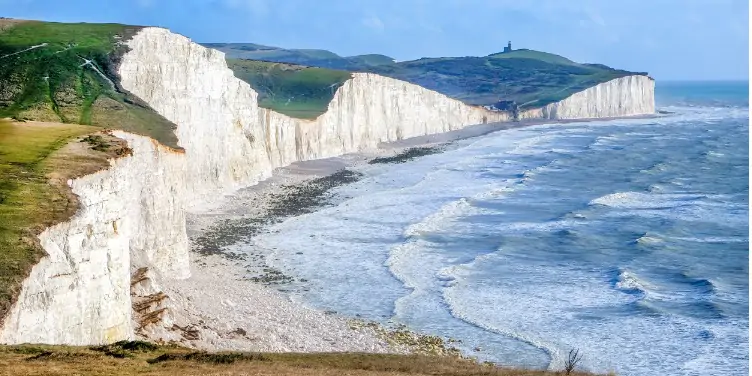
(95, 274)
(67, 73)
(306, 57)
(527, 78)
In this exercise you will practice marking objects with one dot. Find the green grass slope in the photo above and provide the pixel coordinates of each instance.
(254, 51)
(306, 57)
(535, 55)
(294, 90)
(65, 72)
(371, 59)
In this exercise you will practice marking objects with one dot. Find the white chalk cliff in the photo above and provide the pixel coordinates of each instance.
(130, 230)
(625, 96)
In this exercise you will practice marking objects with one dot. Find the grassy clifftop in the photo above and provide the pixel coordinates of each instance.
(294, 90)
(36, 160)
(306, 57)
(65, 72)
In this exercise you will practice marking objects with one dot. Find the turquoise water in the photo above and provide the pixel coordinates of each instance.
(627, 239)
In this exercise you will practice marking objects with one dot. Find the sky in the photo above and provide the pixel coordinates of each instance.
(670, 39)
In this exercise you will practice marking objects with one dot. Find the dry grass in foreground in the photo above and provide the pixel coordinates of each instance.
(142, 358)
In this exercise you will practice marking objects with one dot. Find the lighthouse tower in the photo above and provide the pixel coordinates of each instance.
(508, 48)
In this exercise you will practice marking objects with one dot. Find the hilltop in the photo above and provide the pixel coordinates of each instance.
(529, 78)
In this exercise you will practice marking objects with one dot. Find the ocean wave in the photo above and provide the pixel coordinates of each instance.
(537, 227)
(438, 219)
(711, 239)
(453, 210)
(399, 262)
(455, 305)
(639, 200)
(699, 285)
(565, 151)
(698, 113)
(629, 282)
(496, 193)
(660, 187)
(678, 295)
(647, 239)
(689, 207)
(606, 142)
(533, 145)
(656, 168)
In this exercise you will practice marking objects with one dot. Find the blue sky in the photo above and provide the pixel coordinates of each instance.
(671, 39)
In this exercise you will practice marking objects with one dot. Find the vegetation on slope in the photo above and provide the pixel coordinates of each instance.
(524, 53)
(525, 77)
(142, 358)
(307, 57)
(293, 90)
(67, 73)
(371, 59)
(35, 165)
(528, 78)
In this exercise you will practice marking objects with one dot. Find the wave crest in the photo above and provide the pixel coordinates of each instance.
(629, 282)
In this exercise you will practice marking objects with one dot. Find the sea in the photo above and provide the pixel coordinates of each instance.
(626, 239)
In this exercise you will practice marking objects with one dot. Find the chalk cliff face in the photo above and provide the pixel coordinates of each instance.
(132, 216)
(625, 96)
(80, 293)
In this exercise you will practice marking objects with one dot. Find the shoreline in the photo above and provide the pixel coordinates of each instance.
(230, 301)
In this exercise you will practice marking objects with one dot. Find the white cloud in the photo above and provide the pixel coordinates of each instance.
(595, 17)
(374, 23)
(256, 7)
(145, 3)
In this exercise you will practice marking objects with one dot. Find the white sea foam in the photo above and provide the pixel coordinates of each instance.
(675, 206)
(656, 168)
(647, 239)
(438, 219)
(712, 239)
(640, 200)
(534, 145)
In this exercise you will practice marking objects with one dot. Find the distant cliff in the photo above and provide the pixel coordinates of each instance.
(625, 96)
(130, 230)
